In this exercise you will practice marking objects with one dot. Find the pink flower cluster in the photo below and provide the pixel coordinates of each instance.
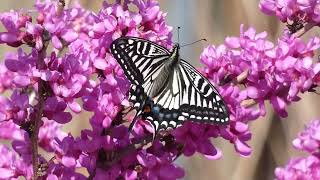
(68, 69)
(309, 139)
(277, 73)
(300, 169)
(306, 11)
(78, 74)
(304, 167)
(12, 166)
(267, 72)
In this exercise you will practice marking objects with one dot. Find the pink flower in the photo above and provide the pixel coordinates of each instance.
(19, 106)
(158, 168)
(6, 78)
(195, 138)
(13, 21)
(300, 169)
(54, 109)
(49, 132)
(305, 11)
(11, 166)
(309, 139)
(304, 167)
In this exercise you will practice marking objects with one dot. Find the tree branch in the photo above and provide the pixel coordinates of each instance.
(303, 30)
(121, 153)
(40, 106)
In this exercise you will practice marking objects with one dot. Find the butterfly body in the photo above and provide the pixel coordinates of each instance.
(166, 72)
(165, 89)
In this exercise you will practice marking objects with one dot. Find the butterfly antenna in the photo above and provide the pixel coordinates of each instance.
(194, 42)
(178, 34)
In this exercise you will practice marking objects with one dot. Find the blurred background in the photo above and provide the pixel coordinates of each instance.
(215, 20)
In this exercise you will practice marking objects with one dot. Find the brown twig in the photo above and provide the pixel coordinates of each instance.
(303, 30)
(42, 94)
(40, 105)
(136, 144)
(130, 148)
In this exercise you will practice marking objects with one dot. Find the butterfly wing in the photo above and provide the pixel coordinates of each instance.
(142, 62)
(190, 96)
(140, 59)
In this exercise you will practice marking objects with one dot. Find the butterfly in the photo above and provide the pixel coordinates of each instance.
(166, 90)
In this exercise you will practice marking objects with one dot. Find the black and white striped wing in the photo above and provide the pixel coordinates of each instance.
(140, 59)
(190, 96)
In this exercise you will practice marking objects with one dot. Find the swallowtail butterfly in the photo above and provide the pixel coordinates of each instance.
(166, 90)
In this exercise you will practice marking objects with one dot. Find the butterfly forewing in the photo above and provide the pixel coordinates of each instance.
(139, 58)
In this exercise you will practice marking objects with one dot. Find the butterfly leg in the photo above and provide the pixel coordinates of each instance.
(133, 123)
(134, 120)
(125, 113)
(127, 110)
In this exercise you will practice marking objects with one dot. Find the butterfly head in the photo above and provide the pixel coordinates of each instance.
(176, 47)
(175, 52)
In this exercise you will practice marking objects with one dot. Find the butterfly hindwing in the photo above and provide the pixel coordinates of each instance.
(190, 94)
(205, 103)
